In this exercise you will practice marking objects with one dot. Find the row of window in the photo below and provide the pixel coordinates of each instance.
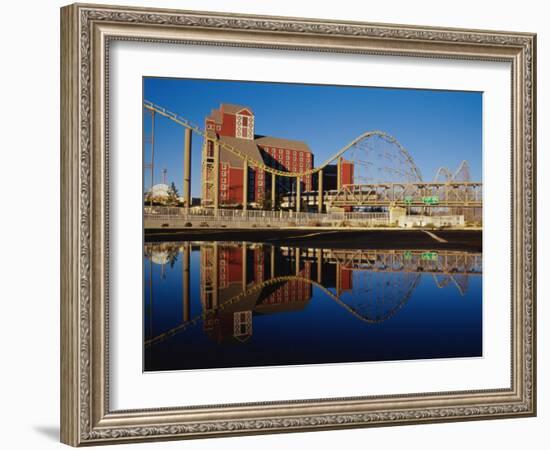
(286, 153)
(301, 295)
(213, 127)
(297, 167)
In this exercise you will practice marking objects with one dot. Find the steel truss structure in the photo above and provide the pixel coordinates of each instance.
(448, 190)
(449, 194)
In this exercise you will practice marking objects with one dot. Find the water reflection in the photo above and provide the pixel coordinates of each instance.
(235, 304)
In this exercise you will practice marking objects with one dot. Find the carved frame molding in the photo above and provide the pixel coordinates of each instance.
(86, 32)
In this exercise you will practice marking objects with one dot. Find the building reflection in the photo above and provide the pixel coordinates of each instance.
(242, 270)
(240, 280)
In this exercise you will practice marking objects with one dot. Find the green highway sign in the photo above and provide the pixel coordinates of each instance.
(408, 199)
(431, 200)
(429, 256)
(407, 255)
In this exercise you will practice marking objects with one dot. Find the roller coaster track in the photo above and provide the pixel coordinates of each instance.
(445, 175)
(282, 279)
(356, 261)
(261, 166)
(446, 280)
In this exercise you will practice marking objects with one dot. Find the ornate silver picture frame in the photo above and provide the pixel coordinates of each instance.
(87, 34)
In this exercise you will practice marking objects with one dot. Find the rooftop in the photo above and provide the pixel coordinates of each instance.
(216, 116)
(270, 141)
(248, 147)
(233, 109)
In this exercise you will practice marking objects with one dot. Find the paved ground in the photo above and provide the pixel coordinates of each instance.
(349, 239)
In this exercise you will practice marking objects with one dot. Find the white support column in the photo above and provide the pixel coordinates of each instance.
(339, 173)
(186, 285)
(319, 265)
(273, 190)
(298, 194)
(320, 191)
(187, 168)
(272, 263)
(338, 280)
(245, 185)
(215, 277)
(216, 181)
(244, 266)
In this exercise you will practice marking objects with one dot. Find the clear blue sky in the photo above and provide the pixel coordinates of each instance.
(438, 128)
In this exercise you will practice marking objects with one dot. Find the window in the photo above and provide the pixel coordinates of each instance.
(245, 125)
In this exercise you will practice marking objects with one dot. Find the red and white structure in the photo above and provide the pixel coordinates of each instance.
(226, 177)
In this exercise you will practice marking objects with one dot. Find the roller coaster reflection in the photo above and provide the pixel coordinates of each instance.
(239, 279)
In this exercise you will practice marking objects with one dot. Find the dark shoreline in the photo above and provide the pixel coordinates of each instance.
(462, 240)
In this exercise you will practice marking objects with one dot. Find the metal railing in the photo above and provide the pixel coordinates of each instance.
(260, 216)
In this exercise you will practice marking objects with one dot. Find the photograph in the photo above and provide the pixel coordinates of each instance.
(291, 220)
(296, 224)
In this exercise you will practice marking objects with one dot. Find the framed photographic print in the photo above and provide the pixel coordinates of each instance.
(276, 224)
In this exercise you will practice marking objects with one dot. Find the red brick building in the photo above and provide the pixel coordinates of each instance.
(346, 172)
(235, 125)
(227, 272)
(331, 176)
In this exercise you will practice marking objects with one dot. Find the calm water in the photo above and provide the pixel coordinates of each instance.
(222, 304)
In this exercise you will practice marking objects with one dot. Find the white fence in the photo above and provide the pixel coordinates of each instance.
(259, 217)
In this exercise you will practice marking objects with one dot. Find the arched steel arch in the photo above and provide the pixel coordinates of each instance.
(282, 279)
(252, 162)
(448, 278)
(447, 176)
(443, 175)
